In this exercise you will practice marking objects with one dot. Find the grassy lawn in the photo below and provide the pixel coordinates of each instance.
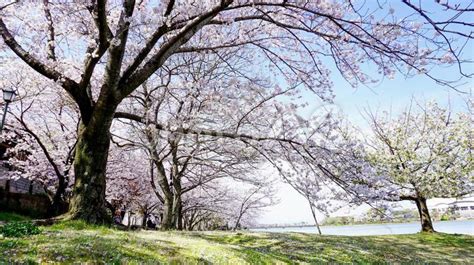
(76, 242)
(12, 217)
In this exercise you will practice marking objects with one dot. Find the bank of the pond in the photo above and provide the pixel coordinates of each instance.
(451, 227)
(76, 242)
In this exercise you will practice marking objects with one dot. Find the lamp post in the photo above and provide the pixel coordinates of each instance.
(8, 95)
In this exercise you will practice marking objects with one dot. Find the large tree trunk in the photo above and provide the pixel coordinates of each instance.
(237, 223)
(172, 218)
(180, 222)
(90, 162)
(425, 219)
(144, 220)
(177, 206)
(167, 221)
(166, 188)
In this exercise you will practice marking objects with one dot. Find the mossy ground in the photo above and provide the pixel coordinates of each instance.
(76, 242)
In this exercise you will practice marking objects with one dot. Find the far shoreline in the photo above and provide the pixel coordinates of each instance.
(358, 224)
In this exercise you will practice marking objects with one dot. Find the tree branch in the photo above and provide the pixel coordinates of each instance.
(123, 115)
(93, 54)
(187, 32)
(51, 45)
(73, 88)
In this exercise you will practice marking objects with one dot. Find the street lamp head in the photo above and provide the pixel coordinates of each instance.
(8, 94)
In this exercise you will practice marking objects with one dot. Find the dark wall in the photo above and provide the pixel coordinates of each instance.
(34, 205)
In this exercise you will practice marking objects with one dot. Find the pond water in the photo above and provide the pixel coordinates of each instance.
(452, 227)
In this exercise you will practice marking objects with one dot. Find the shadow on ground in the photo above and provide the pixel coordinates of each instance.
(306, 248)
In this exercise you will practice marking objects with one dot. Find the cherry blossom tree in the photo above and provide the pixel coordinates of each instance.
(329, 168)
(43, 127)
(250, 200)
(208, 207)
(194, 95)
(426, 152)
(100, 52)
(128, 176)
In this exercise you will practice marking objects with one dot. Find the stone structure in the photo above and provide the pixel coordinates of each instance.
(22, 195)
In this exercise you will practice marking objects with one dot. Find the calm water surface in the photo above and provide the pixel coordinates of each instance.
(452, 227)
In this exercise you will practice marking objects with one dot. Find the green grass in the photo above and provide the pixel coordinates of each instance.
(12, 217)
(76, 242)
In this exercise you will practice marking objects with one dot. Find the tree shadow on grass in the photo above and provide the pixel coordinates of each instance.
(294, 248)
(424, 248)
(253, 249)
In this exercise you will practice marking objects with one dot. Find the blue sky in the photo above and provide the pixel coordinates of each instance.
(394, 95)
